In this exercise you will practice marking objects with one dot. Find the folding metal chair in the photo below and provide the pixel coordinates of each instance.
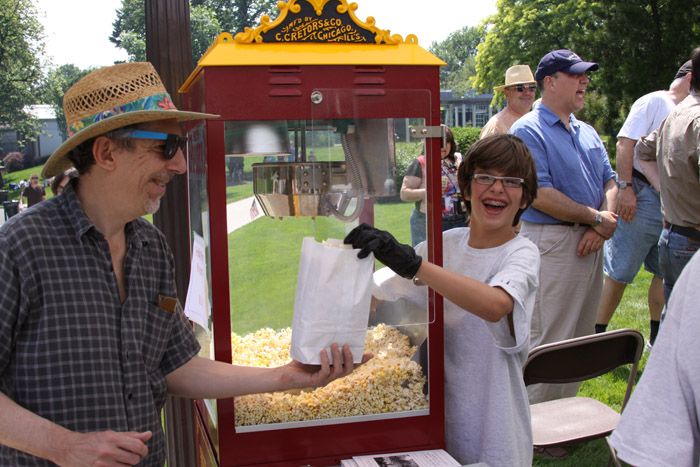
(576, 419)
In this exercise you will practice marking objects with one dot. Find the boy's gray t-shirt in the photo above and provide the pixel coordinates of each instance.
(487, 415)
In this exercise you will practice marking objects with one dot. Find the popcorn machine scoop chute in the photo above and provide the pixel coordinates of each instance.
(319, 133)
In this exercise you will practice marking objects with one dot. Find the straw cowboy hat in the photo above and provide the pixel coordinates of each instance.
(110, 98)
(517, 74)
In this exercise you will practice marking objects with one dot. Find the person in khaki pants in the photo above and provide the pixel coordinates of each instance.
(570, 219)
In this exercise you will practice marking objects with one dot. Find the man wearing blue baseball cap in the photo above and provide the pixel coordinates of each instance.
(571, 217)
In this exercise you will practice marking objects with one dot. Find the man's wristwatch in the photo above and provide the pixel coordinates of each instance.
(621, 184)
(598, 219)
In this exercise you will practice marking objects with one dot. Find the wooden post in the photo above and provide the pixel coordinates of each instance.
(169, 49)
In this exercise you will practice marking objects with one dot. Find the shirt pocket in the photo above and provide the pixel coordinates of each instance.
(157, 328)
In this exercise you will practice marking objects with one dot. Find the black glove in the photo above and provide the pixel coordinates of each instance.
(402, 259)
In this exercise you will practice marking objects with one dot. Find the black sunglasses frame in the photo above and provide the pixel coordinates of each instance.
(172, 141)
(523, 87)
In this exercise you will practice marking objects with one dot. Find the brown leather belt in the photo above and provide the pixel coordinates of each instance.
(685, 231)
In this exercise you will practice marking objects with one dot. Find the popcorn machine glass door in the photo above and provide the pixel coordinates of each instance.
(320, 177)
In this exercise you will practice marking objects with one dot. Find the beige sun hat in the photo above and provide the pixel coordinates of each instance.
(110, 98)
(517, 74)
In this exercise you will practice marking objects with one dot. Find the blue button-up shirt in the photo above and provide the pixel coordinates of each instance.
(573, 161)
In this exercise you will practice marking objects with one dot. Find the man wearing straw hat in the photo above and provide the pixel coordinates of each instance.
(519, 90)
(91, 336)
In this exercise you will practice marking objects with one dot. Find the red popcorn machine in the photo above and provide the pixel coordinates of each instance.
(321, 112)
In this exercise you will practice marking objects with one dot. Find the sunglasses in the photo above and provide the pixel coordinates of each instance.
(508, 182)
(172, 142)
(523, 87)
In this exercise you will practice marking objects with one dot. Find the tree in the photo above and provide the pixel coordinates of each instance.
(458, 51)
(205, 27)
(129, 29)
(639, 44)
(207, 19)
(58, 80)
(21, 51)
(234, 15)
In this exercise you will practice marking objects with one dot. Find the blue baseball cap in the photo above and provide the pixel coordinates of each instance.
(562, 60)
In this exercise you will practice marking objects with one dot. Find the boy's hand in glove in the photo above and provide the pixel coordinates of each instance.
(402, 259)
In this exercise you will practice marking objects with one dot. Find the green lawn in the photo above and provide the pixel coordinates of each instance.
(266, 255)
(15, 177)
(239, 192)
(610, 388)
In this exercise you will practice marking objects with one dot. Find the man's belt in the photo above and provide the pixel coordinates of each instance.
(640, 176)
(685, 231)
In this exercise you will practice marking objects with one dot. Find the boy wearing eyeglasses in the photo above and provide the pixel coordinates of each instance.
(519, 90)
(489, 279)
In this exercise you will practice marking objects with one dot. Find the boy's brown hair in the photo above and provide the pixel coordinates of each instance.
(506, 154)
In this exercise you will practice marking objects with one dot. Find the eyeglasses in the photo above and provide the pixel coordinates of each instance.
(508, 182)
(172, 142)
(524, 87)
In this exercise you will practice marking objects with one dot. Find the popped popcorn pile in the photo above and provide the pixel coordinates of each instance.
(389, 382)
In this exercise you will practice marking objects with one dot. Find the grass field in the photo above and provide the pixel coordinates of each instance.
(16, 177)
(610, 388)
(262, 294)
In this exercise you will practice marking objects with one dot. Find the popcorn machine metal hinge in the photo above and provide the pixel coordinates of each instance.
(424, 131)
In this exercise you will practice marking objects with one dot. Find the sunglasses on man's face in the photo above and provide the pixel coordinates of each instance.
(525, 87)
(172, 142)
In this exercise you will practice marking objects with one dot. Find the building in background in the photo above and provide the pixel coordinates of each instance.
(471, 109)
(49, 139)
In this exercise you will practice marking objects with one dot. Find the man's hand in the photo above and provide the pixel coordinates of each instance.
(402, 259)
(299, 375)
(105, 448)
(591, 242)
(607, 227)
(626, 204)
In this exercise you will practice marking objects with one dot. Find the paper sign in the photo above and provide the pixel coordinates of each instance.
(197, 302)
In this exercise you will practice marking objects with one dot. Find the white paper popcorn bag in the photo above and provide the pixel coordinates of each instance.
(334, 289)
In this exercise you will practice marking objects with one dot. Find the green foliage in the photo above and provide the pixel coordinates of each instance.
(21, 50)
(405, 154)
(633, 60)
(458, 51)
(234, 15)
(465, 137)
(13, 161)
(58, 80)
(205, 27)
(207, 19)
(131, 18)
